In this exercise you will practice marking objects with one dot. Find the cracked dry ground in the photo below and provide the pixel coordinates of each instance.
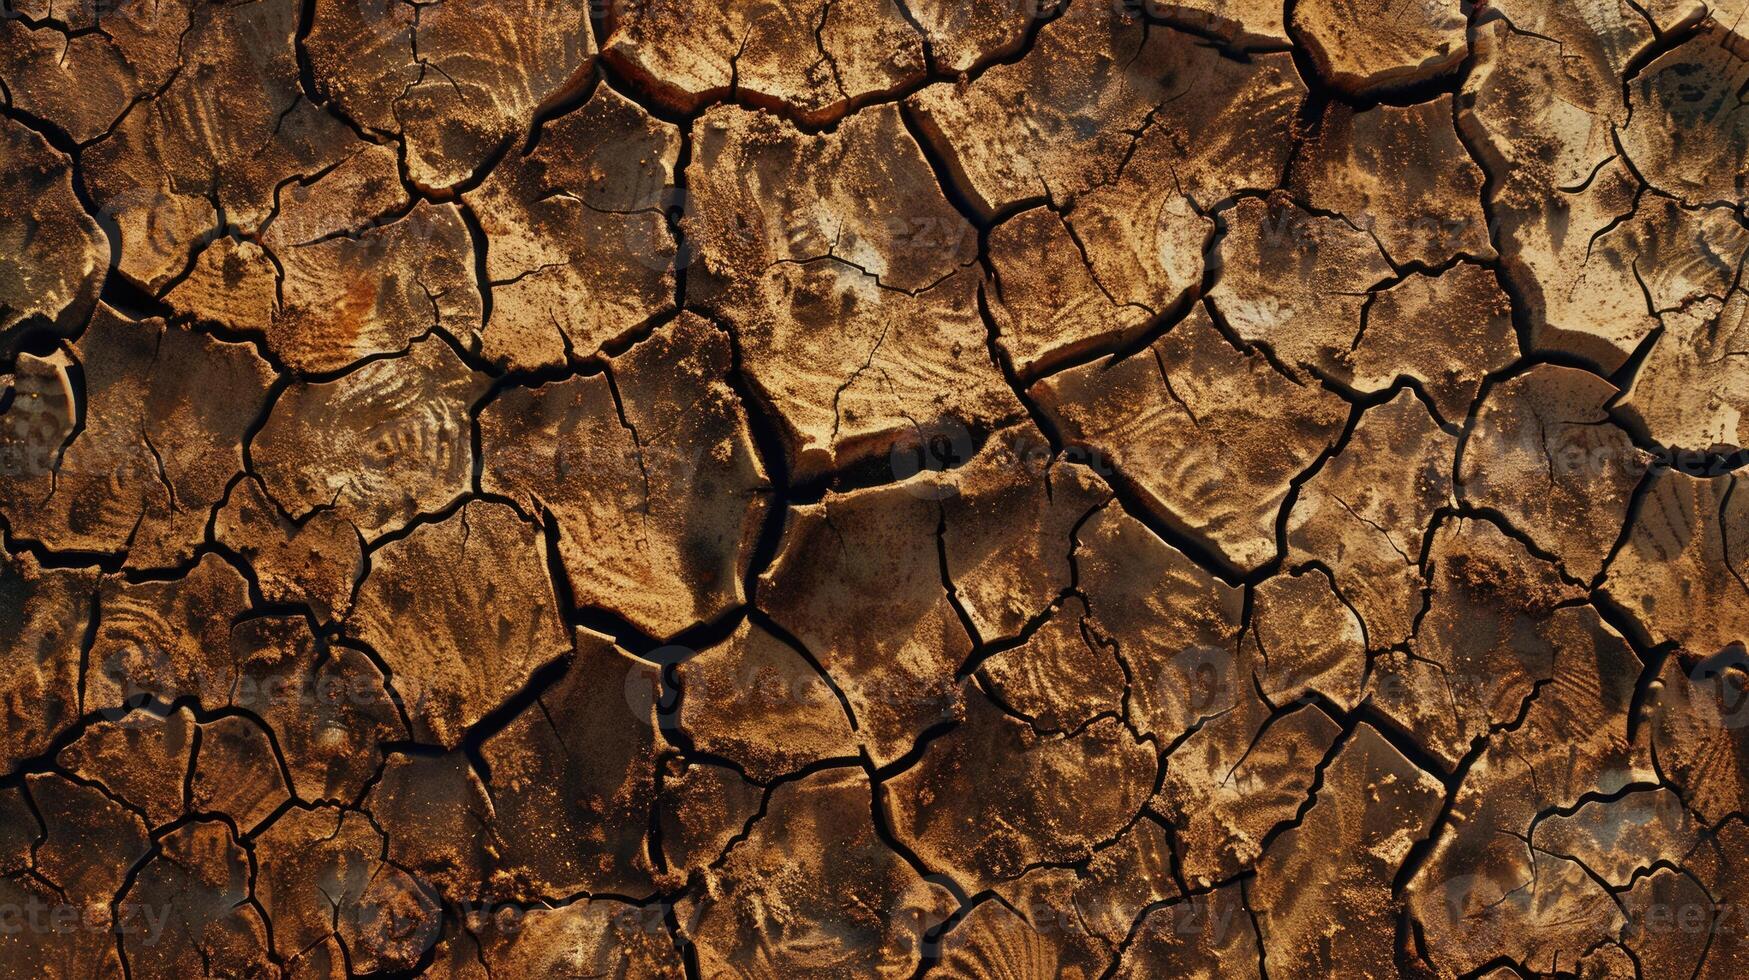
(874, 487)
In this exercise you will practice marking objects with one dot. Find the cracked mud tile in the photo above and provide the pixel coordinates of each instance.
(1680, 571)
(39, 413)
(1576, 229)
(167, 639)
(578, 244)
(1008, 526)
(1123, 878)
(578, 250)
(236, 772)
(812, 61)
(141, 467)
(1488, 888)
(463, 613)
(19, 831)
(963, 36)
(329, 707)
(89, 841)
(857, 580)
(1713, 865)
(1540, 108)
(85, 65)
(1173, 624)
(1304, 637)
(585, 938)
(1047, 302)
(871, 557)
(704, 808)
(1035, 938)
(439, 822)
(1070, 282)
(325, 960)
(1370, 49)
(1698, 716)
(1245, 25)
(1367, 511)
(322, 872)
(648, 471)
(1545, 454)
(55, 254)
(813, 891)
(1401, 174)
(382, 444)
(1447, 331)
(1296, 282)
(452, 81)
(1057, 921)
(983, 802)
(1691, 393)
(1034, 927)
(1061, 677)
(848, 279)
(456, 955)
(1537, 909)
(1544, 97)
(210, 149)
(1608, 962)
(1601, 264)
(1238, 778)
(1496, 623)
(313, 562)
(43, 617)
(1620, 839)
(1209, 936)
(345, 268)
(1323, 897)
(572, 779)
(760, 704)
(1682, 135)
(141, 758)
(1211, 435)
(1674, 927)
(198, 884)
(1066, 118)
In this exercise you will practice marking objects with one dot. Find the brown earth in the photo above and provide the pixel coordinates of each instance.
(1033, 489)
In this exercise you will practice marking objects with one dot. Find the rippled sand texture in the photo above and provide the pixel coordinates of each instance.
(833, 488)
